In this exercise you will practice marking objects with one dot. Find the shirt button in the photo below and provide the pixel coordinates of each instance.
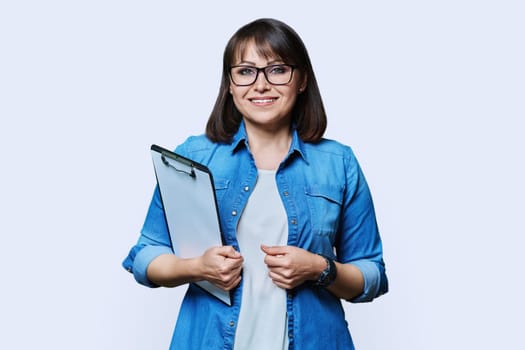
(232, 323)
(285, 193)
(234, 212)
(293, 221)
(246, 188)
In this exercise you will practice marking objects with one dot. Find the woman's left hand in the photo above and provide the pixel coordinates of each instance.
(290, 266)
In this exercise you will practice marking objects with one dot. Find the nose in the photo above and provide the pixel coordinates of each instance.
(261, 84)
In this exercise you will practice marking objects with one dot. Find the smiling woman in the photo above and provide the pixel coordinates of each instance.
(299, 227)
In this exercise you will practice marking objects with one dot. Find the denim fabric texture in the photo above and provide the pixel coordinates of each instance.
(330, 212)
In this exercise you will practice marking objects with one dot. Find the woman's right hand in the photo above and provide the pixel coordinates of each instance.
(221, 266)
(218, 265)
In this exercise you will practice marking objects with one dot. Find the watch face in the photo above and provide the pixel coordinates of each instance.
(328, 275)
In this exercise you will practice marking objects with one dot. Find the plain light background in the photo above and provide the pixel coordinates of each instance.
(430, 95)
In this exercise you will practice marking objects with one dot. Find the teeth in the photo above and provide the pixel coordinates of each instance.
(263, 101)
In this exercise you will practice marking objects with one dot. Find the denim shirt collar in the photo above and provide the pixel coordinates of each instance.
(240, 139)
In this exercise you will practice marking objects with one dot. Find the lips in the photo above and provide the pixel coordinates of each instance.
(262, 100)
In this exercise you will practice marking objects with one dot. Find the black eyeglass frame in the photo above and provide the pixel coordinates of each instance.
(263, 69)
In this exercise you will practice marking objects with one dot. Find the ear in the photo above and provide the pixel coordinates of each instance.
(304, 82)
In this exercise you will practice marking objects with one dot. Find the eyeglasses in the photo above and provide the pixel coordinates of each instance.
(276, 74)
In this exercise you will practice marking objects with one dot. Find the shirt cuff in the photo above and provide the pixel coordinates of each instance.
(143, 259)
(372, 277)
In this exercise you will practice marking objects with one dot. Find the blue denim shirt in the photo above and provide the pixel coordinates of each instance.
(330, 212)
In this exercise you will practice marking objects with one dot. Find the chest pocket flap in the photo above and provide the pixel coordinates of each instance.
(324, 203)
(329, 192)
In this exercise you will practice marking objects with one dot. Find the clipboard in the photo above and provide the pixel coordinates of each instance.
(190, 207)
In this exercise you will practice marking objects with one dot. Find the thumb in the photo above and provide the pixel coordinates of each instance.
(275, 250)
(229, 252)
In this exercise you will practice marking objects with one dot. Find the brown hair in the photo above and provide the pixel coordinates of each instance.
(272, 38)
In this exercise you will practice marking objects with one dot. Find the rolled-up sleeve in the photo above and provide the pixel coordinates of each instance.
(143, 259)
(153, 241)
(359, 241)
(375, 281)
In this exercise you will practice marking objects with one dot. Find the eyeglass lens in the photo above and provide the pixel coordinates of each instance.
(279, 74)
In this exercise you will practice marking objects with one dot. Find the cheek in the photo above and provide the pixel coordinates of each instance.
(291, 96)
(236, 98)
(238, 92)
(238, 101)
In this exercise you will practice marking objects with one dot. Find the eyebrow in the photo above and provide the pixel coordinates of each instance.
(269, 63)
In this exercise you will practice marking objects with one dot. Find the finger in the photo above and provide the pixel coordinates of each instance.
(234, 263)
(281, 282)
(273, 261)
(229, 281)
(233, 284)
(224, 279)
(229, 252)
(232, 279)
(233, 272)
(281, 274)
(275, 275)
(234, 266)
(279, 260)
(274, 250)
(230, 268)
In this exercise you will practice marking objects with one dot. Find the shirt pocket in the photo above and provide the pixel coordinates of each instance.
(221, 185)
(324, 203)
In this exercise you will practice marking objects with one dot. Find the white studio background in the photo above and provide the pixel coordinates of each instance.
(430, 95)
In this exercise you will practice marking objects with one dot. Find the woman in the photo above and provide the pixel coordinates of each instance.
(298, 221)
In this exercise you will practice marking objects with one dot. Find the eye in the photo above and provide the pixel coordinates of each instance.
(246, 71)
(278, 69)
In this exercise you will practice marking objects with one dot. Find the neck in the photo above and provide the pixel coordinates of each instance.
(269, 147)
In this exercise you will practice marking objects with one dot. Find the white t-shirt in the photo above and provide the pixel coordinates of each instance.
(262, 320)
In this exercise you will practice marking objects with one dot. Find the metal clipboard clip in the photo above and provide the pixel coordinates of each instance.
(191, 173)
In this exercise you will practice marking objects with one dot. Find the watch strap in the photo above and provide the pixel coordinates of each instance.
(328, 275)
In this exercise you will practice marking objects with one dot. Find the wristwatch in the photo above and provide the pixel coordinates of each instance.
(328, 275)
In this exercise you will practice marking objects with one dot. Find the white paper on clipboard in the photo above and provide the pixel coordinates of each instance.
(188, 196)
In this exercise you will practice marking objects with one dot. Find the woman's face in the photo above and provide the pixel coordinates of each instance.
(262, 104)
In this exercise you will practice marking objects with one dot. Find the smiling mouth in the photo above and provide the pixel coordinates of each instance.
(262, 100)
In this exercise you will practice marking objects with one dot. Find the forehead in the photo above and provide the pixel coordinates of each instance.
(250, 46)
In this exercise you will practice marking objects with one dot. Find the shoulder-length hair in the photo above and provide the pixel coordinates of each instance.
(272, 39)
